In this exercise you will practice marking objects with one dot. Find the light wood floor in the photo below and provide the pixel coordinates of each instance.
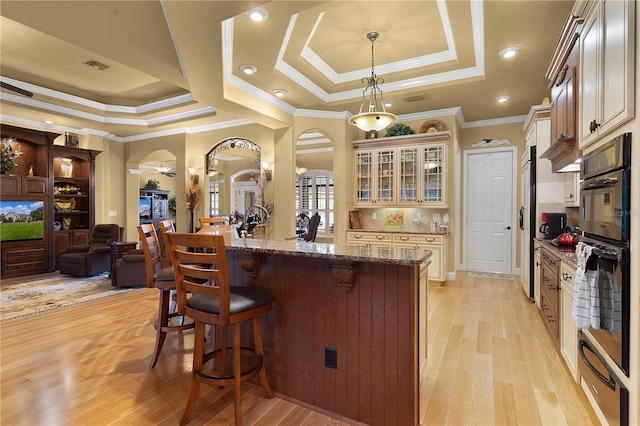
(490, 362)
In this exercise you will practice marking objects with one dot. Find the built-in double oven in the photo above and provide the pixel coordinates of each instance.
(605, 218)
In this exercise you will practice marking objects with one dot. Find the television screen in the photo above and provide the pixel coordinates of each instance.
(21, 220)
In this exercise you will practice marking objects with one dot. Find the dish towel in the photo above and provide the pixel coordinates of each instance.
(611, 296)
(586, 297)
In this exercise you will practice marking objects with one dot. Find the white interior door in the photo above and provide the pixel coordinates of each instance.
(490, 214)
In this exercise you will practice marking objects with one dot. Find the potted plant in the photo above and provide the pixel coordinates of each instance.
(8, 154)
(152, 184)
(399, 129)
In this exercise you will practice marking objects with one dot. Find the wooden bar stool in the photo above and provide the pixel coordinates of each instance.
(162, 278)
(213, 221)
(198, 258)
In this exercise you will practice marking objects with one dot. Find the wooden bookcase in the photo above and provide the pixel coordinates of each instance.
(73, 196)
(38, 178)
(26, 185)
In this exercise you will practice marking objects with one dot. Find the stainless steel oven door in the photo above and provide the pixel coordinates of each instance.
(610, 395)
(612, 300)
(605, 204)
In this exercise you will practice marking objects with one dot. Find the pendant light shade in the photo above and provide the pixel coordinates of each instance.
(375, 117)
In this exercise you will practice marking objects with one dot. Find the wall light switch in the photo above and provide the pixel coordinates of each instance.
(113, 213)
(373, 216)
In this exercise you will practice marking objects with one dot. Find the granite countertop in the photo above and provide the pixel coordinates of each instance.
(411, 230)
(565, 253)
(293, 247)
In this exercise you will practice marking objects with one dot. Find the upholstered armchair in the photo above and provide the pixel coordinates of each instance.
(85, 260)
(130, 270)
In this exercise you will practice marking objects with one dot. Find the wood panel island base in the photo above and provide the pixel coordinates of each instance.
(367, 303)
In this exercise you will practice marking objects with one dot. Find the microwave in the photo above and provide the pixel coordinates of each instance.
(605, 193)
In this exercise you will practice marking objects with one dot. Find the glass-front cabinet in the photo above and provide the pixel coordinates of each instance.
(375, 176)
(411, 173)
(364, 176)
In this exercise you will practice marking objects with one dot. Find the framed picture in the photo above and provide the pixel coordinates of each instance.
(355, 217)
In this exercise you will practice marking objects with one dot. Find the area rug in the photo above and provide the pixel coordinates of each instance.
(21, 299)
(491, 275)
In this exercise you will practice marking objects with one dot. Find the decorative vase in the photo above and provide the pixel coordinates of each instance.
(66, 168)
(57, 226)
(66, 223)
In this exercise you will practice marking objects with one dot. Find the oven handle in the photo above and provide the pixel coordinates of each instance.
(599, 183)
(610, 382)
(606, 253)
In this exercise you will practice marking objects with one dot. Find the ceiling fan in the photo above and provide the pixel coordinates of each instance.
(165, 170)
(16, 89)
(161, 168)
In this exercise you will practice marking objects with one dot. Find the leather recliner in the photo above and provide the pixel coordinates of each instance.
(130, 270)
(86, 260)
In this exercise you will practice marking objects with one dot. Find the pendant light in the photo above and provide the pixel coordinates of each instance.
(374, 118)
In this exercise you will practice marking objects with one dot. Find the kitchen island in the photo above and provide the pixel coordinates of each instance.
(367, 303)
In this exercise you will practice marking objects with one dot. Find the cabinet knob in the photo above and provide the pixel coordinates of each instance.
(593, 126)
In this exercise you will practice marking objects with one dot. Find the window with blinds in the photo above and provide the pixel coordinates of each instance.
(314, 193)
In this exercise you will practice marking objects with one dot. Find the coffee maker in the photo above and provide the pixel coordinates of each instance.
(553, 224)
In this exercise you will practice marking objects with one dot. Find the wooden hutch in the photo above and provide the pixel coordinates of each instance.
(37, 182)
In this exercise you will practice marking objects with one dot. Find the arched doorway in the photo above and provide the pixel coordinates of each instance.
(314, 181)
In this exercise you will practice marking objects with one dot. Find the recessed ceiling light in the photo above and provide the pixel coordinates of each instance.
(509, 52)
(279, 92)
(388, 104)
(248, 69)
(258, 14)
(49, 122)
(502, 99)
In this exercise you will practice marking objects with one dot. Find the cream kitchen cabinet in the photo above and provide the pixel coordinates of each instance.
(568, 329)
(421, 175)
(372, 239)
(572, 189)
(606, 95)
(407, 171)
(537, 265)
(375, 177)
(435, 243)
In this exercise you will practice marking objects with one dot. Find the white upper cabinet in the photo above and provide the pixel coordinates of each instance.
(375, 176)
(402, 171)
(606, 96)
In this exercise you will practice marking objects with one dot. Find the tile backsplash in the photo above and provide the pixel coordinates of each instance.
(402, 218)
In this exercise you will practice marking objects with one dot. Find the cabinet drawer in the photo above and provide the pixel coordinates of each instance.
(549, 284)
(567, 277)
(24, 267)
(10, 185)
(13, 255)
(549, 310)
(368, 236)
(34, 185)
(418, 238)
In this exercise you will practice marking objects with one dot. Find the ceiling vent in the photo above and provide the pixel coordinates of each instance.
(97, 65)
(416, 98)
